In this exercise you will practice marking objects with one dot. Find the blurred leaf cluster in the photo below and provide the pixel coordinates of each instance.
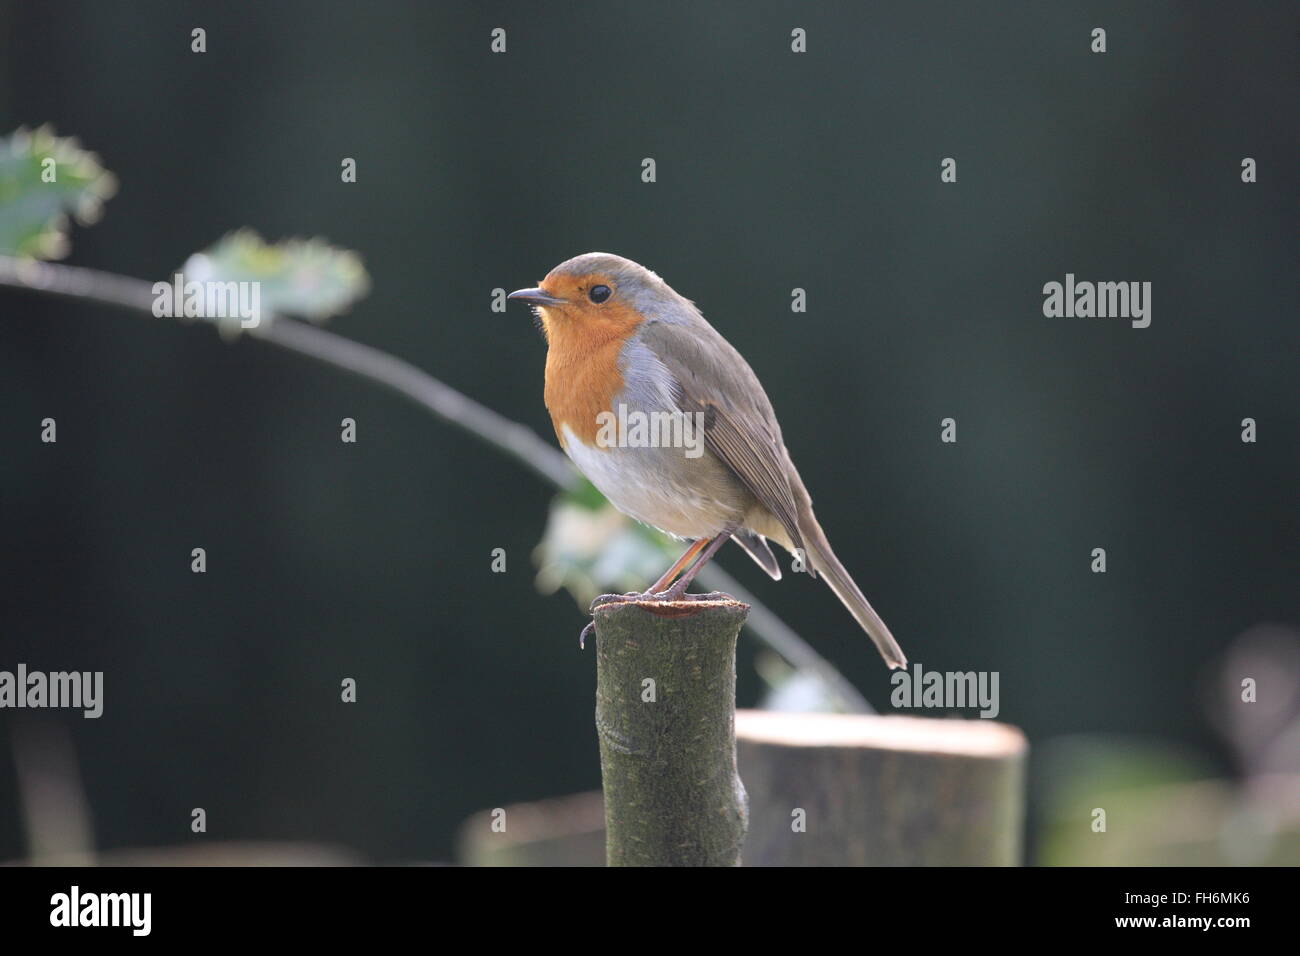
(589, 548)
(302, 277)
(44, 179)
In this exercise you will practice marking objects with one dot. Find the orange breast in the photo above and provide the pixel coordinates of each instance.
(582, 376)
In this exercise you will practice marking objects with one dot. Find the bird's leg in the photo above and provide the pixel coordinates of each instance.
(689, 556)
(699, 552)
(678, 591)
(660, 587)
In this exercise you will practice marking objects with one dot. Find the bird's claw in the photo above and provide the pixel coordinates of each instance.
(607, 599)
(671, 594)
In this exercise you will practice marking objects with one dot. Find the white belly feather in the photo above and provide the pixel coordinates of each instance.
(661, 487)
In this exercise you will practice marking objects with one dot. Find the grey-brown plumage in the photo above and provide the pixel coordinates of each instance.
(741, 429)
(670, 359)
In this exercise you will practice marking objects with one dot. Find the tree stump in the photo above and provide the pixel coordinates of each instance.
(859, 790)
(665, 708)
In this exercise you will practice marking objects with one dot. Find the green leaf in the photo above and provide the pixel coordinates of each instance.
(591, 549)
(303, 277)
(44, 179)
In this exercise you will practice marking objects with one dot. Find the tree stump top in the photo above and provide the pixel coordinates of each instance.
(969, 738)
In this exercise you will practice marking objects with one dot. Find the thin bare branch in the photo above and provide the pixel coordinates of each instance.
(518, 441)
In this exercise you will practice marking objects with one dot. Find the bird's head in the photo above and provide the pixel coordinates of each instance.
(597, 291)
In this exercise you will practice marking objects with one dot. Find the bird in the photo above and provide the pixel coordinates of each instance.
(629, 361)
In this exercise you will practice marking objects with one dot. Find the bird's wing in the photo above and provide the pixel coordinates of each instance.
(740, 427)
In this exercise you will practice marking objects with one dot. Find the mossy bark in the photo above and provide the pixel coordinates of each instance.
(665, 714)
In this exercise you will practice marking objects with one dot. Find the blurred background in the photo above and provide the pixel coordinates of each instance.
(775, 170)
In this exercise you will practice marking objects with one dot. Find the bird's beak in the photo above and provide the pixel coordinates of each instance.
(535, 297)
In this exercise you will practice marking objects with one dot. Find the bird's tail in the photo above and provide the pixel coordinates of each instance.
(824, 562)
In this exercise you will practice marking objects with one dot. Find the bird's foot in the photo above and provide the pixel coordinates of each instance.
(609, 599)
(674, 593)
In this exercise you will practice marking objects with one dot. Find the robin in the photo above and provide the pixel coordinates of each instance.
(634, 375)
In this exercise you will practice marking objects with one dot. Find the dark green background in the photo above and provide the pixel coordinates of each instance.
(775, 170)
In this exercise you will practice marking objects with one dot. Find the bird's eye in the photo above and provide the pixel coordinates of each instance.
(599, 293)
